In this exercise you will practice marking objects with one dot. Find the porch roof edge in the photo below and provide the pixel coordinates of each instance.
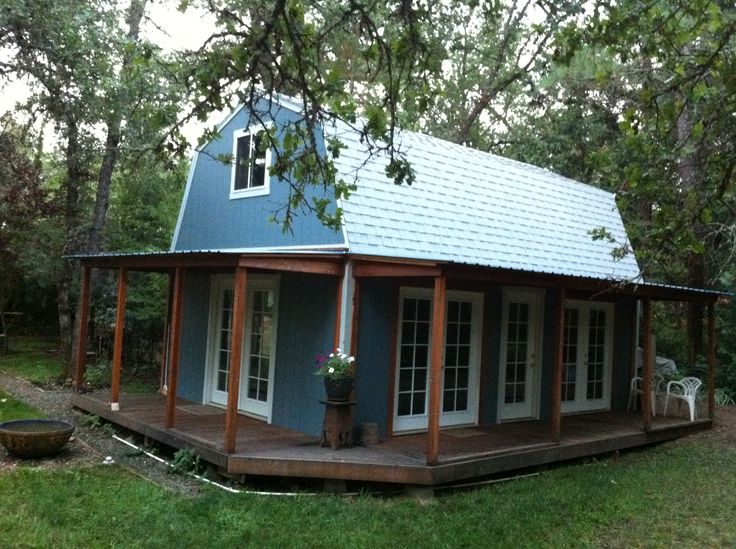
(166, 260)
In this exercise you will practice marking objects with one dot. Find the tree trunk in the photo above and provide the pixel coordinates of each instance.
(74, 177)
(695, 262)
(114, 124)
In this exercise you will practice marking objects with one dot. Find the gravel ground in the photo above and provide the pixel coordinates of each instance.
(90, 445)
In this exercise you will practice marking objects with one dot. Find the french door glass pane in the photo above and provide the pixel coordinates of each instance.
(596, 352)
(413, 357)
(516, 353)
(261, 334)
(457, 356)
(223, 351)
(570, 355)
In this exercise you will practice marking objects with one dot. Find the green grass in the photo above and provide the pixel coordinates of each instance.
(675, 494)
(11, 408)
(37, 360)
(33, 358)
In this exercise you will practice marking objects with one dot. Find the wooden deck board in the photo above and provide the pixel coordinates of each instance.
(468, 452)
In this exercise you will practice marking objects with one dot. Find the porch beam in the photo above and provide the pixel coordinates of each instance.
(83, 319)
(438, 351)
(236, 352)
(177, 299)
(117, 352)
(293, 264)
(646, 384)
(386, 270)
(711, 360)
(555, 424)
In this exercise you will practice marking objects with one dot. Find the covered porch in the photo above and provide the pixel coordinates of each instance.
(465, 453)
(238, 444)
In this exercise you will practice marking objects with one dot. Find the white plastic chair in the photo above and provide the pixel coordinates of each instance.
(635, 389)
(686, 389)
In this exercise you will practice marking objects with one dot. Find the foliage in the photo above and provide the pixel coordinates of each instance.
(723, 397)
(97, 374)
(186, 460)
(336, 365)
(11, 409)
(638, 499)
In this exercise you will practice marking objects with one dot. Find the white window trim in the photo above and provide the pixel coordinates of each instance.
(418, 422)
(582, 404)
(535, 298)
(250, 191)
(255, 282)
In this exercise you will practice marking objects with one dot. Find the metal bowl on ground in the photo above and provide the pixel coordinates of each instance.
(35, 438)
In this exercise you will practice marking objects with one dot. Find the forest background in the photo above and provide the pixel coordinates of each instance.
(637, 97)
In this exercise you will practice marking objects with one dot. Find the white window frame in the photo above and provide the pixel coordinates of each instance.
(250, 191)
(582, 404)
(418, 422)
(535, 299)
(262, 411)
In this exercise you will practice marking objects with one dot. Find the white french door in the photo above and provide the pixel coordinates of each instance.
(259, 344)
(587, 356)
(461, 369)
(520, 361)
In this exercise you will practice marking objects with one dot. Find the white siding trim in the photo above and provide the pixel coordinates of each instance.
(184, 200)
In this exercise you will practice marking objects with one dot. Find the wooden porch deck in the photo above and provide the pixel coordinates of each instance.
(464, 453)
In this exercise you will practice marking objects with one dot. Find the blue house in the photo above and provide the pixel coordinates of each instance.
(491, 331)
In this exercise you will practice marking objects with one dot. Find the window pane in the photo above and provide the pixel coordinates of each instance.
(242, 162)
(404, 404)
(417, 406)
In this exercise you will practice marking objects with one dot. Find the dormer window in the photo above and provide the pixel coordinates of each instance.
(252, 156)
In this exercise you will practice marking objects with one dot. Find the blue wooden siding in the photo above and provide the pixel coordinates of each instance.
(491, 348)
(306, 322)
(378, 305)
(306, 327)
(194, 333)
(210, 220)
(624, 333)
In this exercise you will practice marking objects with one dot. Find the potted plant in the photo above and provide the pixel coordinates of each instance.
(338, 370)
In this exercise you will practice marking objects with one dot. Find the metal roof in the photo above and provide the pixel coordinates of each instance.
(471, 207)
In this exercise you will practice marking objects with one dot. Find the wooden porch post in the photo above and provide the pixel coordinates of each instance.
(177, 297)
(236, 352)
(438, 351)
(117, 353)
(646, 384)
(711, 360)
(338, 316)
(83, 319)
(555, 424)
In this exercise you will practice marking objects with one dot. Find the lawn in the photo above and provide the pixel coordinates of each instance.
(680, 493)
(11, 408)
(677, 494)
(35, 359)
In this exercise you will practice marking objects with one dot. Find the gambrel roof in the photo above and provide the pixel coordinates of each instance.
(471, 207)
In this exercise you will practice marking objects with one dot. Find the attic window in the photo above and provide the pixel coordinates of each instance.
(250, 170)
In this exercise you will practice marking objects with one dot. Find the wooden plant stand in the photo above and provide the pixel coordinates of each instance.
(337, 429)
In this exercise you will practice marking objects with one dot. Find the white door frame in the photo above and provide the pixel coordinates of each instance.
(419, 422)
(581, 402)
(530, 408)
(247, 406)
